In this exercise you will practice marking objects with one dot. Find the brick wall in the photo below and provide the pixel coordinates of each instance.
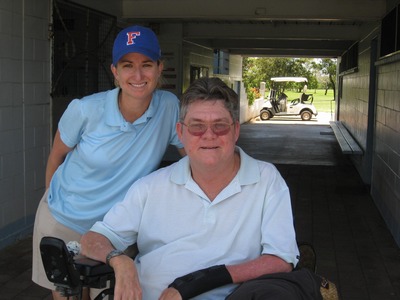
(381, 168)
(24, 113)
(385, 187)
(354, 102)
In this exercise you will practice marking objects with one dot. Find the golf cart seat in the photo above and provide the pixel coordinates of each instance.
(282, 96)
(305, 97)
(272, 94)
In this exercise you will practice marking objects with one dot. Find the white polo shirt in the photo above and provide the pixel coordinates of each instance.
(179, 230)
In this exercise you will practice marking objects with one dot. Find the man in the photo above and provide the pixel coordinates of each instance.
(213, 220)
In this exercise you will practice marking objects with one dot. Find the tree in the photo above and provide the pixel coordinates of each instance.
(327, 66)
(258, 69)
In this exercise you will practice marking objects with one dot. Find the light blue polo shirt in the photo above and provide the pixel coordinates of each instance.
(109, 154)
(179, 230)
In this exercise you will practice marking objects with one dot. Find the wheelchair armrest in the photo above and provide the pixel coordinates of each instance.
(90, 267)
(94, 274)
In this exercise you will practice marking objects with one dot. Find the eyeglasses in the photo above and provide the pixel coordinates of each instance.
(198, 129)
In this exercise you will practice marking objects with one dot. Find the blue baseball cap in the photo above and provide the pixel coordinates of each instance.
(136, 39)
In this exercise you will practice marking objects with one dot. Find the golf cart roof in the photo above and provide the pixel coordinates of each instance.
(289, 79)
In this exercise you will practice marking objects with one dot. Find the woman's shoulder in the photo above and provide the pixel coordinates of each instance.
(166, 96)
(97, 102)
(99, 97)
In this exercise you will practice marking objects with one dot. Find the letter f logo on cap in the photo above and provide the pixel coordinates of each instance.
(131, 36)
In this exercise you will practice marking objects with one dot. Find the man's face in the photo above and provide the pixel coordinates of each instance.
(137, 75)
(210, 148)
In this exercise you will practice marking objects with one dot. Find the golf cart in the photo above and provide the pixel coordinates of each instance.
(277, 103)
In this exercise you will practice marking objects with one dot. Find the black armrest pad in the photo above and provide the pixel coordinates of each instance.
(90, 267)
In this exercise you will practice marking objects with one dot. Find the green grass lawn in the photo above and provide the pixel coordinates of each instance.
(322, 102)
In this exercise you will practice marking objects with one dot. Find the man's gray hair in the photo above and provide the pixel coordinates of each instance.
(210, 89)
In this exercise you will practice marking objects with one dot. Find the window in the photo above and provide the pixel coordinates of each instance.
(390, 33)
(221, 62)
(349, 60)
(197, 72)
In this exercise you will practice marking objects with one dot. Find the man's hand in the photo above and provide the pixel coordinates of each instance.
(170, 294)
(127, 286)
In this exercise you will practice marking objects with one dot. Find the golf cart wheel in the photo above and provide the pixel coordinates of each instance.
(306, 115)
(265, 115)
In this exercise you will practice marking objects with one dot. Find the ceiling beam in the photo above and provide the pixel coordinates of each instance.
(278, 30)
(361, 10)
(275, 44)
(310, 53)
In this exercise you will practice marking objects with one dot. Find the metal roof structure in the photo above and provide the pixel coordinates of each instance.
(309, 28)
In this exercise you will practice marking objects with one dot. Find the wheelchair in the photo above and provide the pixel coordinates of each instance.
(71, 273)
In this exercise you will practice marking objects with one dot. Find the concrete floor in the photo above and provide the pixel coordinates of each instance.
(332, 207)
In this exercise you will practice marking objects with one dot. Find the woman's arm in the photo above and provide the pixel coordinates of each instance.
(57, 155)
(182, 151)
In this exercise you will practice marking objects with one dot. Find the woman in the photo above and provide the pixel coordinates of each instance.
(105, 142)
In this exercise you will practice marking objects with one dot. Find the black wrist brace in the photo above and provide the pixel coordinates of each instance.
(201, 281)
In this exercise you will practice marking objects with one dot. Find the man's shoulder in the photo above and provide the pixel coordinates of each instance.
(158, 176)
(251, 162)
(266, 165)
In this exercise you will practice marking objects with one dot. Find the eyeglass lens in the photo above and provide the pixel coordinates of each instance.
(198, 129)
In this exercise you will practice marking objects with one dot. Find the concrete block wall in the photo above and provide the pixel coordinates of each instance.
(385, 187)
(384, 174)
(354, 110)
(235, 70)
(24, 113)
(354, 102)
(249, 112)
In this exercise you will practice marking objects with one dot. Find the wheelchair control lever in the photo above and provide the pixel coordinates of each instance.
(59, 266)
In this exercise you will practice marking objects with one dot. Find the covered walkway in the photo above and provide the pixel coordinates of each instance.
(333, 211)
(333, 208)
